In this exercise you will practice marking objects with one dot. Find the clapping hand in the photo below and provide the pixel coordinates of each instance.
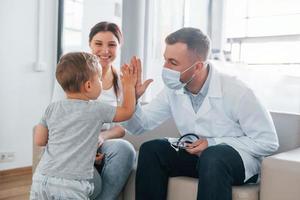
(129, 75)
(140, 87)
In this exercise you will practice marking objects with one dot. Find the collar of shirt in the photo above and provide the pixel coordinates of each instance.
(204, 89)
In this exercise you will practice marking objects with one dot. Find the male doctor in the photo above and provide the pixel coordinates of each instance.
(235, 131)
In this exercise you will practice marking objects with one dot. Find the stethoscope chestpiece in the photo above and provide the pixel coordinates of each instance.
(186, 139)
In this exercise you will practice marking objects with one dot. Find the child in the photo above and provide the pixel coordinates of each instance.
(70, 128)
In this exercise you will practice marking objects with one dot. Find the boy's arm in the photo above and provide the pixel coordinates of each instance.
(40, 135)
(128, 79)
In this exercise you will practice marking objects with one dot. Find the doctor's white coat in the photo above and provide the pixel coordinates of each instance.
(230, 113)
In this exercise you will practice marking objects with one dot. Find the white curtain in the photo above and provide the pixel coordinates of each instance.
(216, 29)
(133, 25)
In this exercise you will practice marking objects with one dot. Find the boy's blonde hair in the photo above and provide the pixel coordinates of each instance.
(74, 69)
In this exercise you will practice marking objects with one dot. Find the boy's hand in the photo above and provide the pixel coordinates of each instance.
(129, 75)
(128, 79)
(132, 65)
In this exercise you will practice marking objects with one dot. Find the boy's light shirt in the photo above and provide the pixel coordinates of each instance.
(74, 126)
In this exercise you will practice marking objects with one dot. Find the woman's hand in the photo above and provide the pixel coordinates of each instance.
(115, 132)
(140, 87)
(101, 139)
(99, 158)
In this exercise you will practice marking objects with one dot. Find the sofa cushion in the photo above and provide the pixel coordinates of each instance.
(281, 176)
(186, 188)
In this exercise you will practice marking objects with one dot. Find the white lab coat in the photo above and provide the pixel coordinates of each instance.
(230, 113)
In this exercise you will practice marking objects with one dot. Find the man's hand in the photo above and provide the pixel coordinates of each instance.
(140, 87)
(197, 147)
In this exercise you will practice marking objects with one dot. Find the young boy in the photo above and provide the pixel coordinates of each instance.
(70, 128)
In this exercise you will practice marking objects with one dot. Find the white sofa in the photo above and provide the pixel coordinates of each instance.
(280, 178)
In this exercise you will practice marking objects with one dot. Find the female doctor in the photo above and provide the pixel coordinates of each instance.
(235, 130)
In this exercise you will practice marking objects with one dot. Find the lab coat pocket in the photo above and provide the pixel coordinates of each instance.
(221, 125)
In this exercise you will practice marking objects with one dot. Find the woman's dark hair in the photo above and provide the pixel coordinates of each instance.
(114, 29)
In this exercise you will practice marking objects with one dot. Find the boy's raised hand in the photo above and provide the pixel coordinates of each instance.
(129, 75)
(128, 78)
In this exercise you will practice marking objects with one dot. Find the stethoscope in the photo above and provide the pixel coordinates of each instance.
(188, 138)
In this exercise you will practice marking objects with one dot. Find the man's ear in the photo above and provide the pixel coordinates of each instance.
(199, 66)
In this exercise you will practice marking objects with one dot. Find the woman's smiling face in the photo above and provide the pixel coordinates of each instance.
(105, 45)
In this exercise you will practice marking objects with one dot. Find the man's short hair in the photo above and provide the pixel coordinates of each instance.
(75, 68)
(194, 38)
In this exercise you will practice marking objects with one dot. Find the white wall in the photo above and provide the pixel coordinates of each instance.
(24, 92)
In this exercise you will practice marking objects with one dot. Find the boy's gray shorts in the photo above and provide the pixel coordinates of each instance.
(46, 188)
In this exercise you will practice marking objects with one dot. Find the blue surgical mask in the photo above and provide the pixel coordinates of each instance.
(171, 78)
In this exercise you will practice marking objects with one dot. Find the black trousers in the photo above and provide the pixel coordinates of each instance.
(217, 169)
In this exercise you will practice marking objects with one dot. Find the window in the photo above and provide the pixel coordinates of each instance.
(263, 31)
(262, 43)
(77, 17)
(72, 29)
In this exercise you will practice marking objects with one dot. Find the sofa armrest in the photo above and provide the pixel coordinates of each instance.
(280, 176)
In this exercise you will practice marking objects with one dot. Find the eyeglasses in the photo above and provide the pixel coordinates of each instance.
(182, 142)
